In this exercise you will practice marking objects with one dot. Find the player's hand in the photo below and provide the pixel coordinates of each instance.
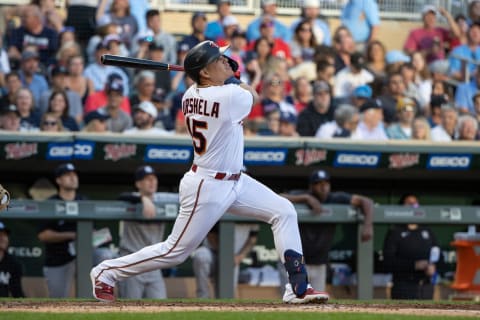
(367, 232)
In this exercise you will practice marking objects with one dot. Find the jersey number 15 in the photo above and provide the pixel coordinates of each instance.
(199, 140)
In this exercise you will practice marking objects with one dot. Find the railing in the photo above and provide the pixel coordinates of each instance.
(86, 212)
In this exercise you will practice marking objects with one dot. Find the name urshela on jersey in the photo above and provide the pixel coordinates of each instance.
(201, 107)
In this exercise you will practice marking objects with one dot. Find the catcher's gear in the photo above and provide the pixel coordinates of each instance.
(297, 274)
(4, 198)
(203, 54)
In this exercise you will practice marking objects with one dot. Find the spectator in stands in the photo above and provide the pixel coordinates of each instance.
(347, 79)
(467, 128)
(81, 16)
(344, 47)
(303, 43)
(462, 23)
(344, 125)
(422, 79)
(144, 118)
(465, 92)
(406, 254)
(473, 11)
(51, 17)
(458, 68)
(317, 238)
(421, 129)
(230, 25)
(362, 18)
(319, 111)
(388, 101)
(144, 83)
(59, 237)
(310, 12)
(29, 75)
(12, 84)
(420, 92)
(214, 28)
(165, 119)
(435, 112)
(60, 81)
(30, 116)
(50, 123)
(58, 105)
(326, 72)
(10, 269)
(67, 34)
(163, 80)
(269, 8)
(10, 118)
(395, 59)
(96, 121)
(238, 52)
(99, 99)
(120, 14)
(360, 95)
(287, 124)
(32, 33)
(77, 82)
(161, 37)
(446, 130)
(66, 51)
(198, 24)
(402, 129)
(302, 93)
(139, 234)
(105, 27)
(262, 56)
(371, 126)
(119, 120)
(375, 56)
(430, 39)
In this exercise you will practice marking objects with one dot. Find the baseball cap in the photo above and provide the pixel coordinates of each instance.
(310, 3)
(95, 115)
(230, 21)
(363, 91)
(111, 38)
(319, 175)
(148, 107)
(370, 104)
(63, 169)
(429, 8)
(320, 86)
(4, 228)
(10, 108)
(394, 56)
(29, 54)
(357, 60)
(288, 117)
(114, 83)
(406, 103)
(142, 172)
(267, 2)
(198, 14)
(58, 70)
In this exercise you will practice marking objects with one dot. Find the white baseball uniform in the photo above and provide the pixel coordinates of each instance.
(213, 186)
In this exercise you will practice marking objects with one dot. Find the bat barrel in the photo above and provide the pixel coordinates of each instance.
(128, 62)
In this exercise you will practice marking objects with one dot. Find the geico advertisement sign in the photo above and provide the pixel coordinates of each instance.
(357, 159)
(449, 162)
(168, 154)
(265, 156)
(66, 151)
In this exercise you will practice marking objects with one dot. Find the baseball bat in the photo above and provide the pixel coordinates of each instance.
(128, 62)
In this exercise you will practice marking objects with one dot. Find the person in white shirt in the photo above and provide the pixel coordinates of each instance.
(144, 118)
(445, 131)
(347, 79)
(371, 126)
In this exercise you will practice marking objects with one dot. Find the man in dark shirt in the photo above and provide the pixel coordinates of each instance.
(199, 24)
(10, 268)
(318, 111)
(59, 237)
(317, 238)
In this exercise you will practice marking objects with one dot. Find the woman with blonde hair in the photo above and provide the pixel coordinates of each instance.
(51, 123)
(421, 129)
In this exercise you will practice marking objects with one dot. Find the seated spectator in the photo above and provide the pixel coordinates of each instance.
(163, 80)
(395, 90)
(269, 8)
(50, 123)
(402, 129)
(32, 33)
(198, 24)
(12, 84)
(435, 113)
(458, 68)
(161, 38)
(303, 43)
(421, 129)
(395, 59)
(302, 93)
(344, 125)
(99, 99)
(29, 75)
(144, 84)
(96, 121)
(59, 80)
(104, 27)
(371, 126)
(319, 111)
(262, 55)
(431, 39)
(238, 51)
(30, 116)
(10, 269)
(420, 92)
(67, 34)
(347, 79)
(77, 82)
(375, 57)
(310, 13)
(164, 119)
(144, 117)
(465, 92)
(423, 80)
(58, 105)
(326, 72)
(360, 95)
(270, 126)
(287, 124)
(10, 118)
(230, 25)
(119, 120)
(66, 51)
(344, 47)
(446, 130)
(467, 128)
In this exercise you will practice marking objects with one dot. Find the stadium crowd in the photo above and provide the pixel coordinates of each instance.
(313, 81)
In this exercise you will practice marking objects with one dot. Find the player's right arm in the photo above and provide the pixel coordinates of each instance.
(251, 90)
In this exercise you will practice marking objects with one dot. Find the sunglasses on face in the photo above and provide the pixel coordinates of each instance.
(49, 123)
(275, 83)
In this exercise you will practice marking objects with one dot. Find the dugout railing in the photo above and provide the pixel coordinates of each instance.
(87, 212)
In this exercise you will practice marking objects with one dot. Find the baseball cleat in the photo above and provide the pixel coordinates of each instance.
(101, 291)
(310, 296)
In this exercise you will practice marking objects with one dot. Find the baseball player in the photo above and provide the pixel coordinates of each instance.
(214, 107)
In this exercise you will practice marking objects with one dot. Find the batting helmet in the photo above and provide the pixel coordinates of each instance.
(200, 56)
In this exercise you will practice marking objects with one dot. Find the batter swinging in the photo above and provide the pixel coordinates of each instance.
(214, 108)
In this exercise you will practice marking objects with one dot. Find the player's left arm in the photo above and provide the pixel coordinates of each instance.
(247, 247)
(366, 207)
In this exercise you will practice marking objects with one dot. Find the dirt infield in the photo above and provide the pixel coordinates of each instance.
(88, 306)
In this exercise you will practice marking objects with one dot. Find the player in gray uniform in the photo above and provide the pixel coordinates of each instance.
(214, 108)
(138, 234)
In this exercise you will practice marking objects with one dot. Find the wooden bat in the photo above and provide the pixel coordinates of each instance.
(120, 61)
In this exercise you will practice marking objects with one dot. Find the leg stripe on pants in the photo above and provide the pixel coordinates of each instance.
(171, 249)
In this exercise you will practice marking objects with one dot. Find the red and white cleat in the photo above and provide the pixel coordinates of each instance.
(101, 291)
(310, 296)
